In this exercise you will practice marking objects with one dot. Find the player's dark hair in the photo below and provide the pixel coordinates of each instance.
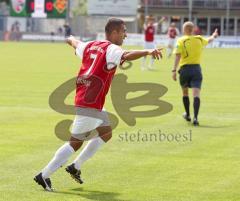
(113, 24)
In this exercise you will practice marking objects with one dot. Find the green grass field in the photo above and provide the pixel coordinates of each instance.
(204, 169)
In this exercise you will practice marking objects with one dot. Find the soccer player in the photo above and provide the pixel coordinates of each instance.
(188, 56)
(99, 62)
(150, 28)
(197, 30)
(172, 33)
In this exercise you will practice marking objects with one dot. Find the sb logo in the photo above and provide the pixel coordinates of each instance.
(119, 90)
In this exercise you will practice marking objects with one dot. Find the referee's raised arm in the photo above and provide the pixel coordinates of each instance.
(213, 36)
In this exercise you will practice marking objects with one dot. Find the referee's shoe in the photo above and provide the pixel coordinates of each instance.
(195, 122)
(186, 117)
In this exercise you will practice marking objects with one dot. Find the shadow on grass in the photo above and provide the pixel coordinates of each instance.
(92, 195)
(208, 126)
(211, 126)
(152, 69)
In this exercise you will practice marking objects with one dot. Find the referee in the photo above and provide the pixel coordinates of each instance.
(188, 55)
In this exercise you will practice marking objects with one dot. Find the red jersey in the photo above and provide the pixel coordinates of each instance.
(95, 77)
(172, 32)
(149, 33)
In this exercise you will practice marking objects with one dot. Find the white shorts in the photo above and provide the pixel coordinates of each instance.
(171, 42)
(86, 121)
(149, 45)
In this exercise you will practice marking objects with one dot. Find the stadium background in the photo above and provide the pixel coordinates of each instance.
(82, 14)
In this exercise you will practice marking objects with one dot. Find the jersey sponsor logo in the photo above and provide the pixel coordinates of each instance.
(150, 30)
(83, 81)
(97, 48)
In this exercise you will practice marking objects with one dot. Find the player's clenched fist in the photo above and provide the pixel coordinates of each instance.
(69, 39)
(215, 33)
(72, 41)
(174, 75)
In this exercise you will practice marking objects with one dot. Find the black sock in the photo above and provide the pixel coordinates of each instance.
(196, 106)
(186, 104)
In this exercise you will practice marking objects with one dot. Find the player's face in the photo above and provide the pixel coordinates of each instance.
(122, 34)
(151, 22)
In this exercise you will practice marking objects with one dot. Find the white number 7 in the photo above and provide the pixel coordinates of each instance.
(94, 57)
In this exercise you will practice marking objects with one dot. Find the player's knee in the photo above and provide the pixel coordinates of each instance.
(75, 146)
(196, 95)
(185, 92)
(75, 143)
(196, 92)
(106, 136)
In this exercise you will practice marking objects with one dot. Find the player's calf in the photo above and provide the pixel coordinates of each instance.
(105, 133)
(75, 143)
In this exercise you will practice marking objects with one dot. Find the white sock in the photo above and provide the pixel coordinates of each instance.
(89, 150)
(143, 63)
(151, 62)
(61, 156)
(169, 52)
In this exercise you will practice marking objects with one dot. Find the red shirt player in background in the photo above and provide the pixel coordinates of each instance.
(150, 28)
(99, 62)
(172, 33)
(197, 30)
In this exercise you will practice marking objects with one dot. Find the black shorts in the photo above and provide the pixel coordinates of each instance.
(191, 76)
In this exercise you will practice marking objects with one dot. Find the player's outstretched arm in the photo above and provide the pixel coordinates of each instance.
(213, 36)
(136, 54)
(161, 20)
(72, 41)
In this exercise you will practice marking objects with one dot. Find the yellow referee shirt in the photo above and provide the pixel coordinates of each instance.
(190, 48)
